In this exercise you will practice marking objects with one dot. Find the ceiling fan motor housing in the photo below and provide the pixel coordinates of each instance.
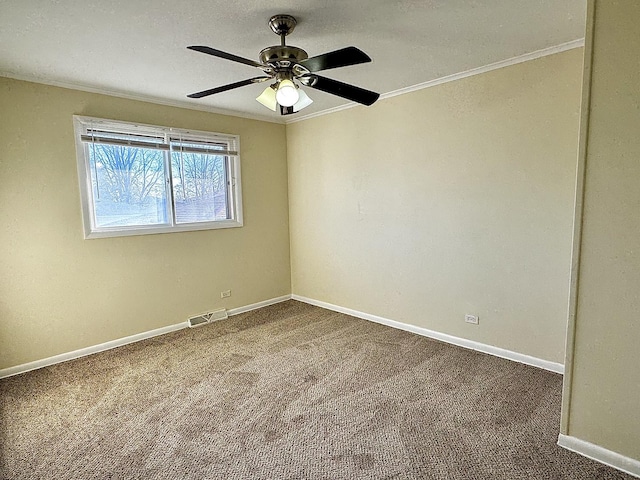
(282, 56)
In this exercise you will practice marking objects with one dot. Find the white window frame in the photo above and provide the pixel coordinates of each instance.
(83, 125)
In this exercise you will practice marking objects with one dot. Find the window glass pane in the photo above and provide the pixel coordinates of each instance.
(126, 170)
(199, 185)
(128, 185)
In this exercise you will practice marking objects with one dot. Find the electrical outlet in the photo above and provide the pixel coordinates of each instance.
(471, 319)
(225, 294)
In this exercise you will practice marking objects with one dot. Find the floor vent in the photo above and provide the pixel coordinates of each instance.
(208, 317)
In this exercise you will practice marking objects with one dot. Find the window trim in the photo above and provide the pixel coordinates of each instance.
(234, 184)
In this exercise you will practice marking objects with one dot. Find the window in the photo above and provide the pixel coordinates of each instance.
(142, 179)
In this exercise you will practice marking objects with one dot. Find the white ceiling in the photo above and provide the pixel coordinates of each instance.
(137, 48)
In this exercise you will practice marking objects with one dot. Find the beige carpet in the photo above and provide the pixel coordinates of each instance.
(289, 391)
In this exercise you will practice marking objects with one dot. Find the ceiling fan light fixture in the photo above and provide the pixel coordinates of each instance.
(287, 94)
(303, 101)
(268, 98)
(290, 67)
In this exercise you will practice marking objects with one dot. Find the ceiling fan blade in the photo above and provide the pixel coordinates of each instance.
(225, 55)
(338, 58)
(230, 86)
(344, 90)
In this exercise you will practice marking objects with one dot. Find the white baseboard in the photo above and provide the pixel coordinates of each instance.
(255, 306)
(63, 357)
(461, 342)
(600, 454)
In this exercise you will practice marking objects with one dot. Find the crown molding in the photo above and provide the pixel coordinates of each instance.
(140, 98)
(563, 47)
(279, 120)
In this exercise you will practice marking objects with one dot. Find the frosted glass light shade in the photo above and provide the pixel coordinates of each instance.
(268, 98)
(303, 101)
(287, 94)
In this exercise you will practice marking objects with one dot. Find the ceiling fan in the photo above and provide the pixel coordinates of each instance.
(291, 67)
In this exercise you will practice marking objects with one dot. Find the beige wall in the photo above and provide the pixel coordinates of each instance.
(59, 293)
(450, 200)
(602, 390)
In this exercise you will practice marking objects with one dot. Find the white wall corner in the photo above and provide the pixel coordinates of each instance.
(600, 454)
(443, 337)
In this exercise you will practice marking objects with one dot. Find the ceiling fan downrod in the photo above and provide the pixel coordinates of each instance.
(282, 25)
(283, 55)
